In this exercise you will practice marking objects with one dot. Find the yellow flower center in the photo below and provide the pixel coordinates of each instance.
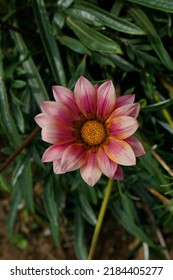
(93, 133)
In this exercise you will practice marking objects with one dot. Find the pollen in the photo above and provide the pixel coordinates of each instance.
(93, 133)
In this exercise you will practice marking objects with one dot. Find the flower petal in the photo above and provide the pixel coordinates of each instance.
(120, 152)
(106, 98)
(107, 166)
(73, 158)
(42, 119)
(57, 167)
(54, 152)
(136, 146)
(90, 172)
(119, 174)
(54, 134)
(85, 96)
(131, 110)
(59, 112)
(123, 127)
(65, 96)
(124, 100)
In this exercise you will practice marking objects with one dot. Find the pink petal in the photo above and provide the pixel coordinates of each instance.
(131, 110)
(124, 100)
(55, 134)
(123, 127)
(120, 152)
(85, 96)
(54, 152)
(65, 96)
(107, 166)
(59, 112)
(106, 98)
(42, 120)
(57, 167)
(73, 158)
(136, 146)
(96, 86)
(90, 172)
(119, 174)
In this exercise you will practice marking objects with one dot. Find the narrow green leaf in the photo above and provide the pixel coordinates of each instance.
(93, 39)
(16, 197)
(4, 184)
(163, 5)
(105, 18)
(5, 115)
(166, 126)
(63, 4)
(73, 44)
(122, 63)
(79, 244)
(145, 23)
(154, 172)
(51, 208)
(130, 226)
(102, 60)
(158, 105)
(86, 209)
(117, 6)
(33, 77)
(79, 71)
(24, 182)
(49, 42)
(18, 84)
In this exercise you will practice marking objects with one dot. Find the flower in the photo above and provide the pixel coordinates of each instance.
(90, 130)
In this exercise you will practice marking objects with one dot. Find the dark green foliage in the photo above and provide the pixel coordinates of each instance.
(44, 43)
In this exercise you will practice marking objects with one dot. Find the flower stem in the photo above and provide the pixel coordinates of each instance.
(100, 219)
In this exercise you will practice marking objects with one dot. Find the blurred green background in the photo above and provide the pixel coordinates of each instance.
(43, 43)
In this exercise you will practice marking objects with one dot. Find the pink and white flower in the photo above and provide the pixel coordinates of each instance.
(90, 130)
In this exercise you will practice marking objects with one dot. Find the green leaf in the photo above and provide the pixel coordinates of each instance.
(18, 116)
(93, 39)
(49, 42)
(79, 245)
(5, 115)
(33, 77)
(117, 6)
(18, 84)
(130, 226)
(166, 126)
(24, 182)
(145, 23)
(73, 44)
(63, 4)
(158, 105)
(122, 63)
(4, 184)
(51, 208)
(86, 209)
(163, 5)
(79, 71)
(16, 197)
(105, 18)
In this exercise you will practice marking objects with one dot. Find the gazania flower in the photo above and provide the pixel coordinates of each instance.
(90, 130)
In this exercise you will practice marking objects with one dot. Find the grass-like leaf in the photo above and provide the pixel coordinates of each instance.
(106, 19)
(145, 23)
(49, 42)
(51, 208)
(93, 39)
(31, 72)
(5, 114)
(79, 244)
(163, 5)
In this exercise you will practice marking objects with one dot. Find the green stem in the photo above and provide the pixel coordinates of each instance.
(100, 219)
